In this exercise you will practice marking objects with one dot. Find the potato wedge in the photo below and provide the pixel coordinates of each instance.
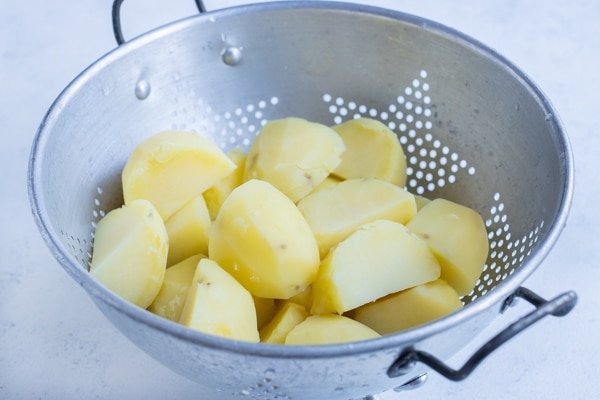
(171, 168)
(372, 151)
(457, 237)
(265, 310)
(294, 155)
(216, 194)
(130, 252)
(421, 201)
(329, 329)
(288, 316)
(218, 305)
(261, 239)
(173, 292)
(380, 258)
(409, 308)
(188, 231)
(334, 213)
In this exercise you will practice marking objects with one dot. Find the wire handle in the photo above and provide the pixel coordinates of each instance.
(558, 307)
(116, 18)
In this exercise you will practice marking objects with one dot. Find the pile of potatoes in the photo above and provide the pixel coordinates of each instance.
(308, 239)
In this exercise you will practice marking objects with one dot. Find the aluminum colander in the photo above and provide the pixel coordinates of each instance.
(474, 128)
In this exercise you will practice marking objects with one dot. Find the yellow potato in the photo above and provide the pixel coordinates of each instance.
(409, 308)
(265, 310)
(288, 316)
(330, 181)
(218, 305)
(261, 239)
(380, 258)
(171, 168)
(130, 252)
(336, 212)
(457, 237)
(421, 201)
(216, 195)
(294, 155)
(173, 292)
(372, 151)
(303, 299)
(188, 231)
(329, 329)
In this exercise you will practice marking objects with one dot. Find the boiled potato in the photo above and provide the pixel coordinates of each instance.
(261, 239)
(130, 252)
(288, 316)
(457, 237)
(372, 151)
(188, 231)
(265, 310)
(294, 155)
(336, 212)
(330, 181)
(171, 168)
(409, 308)
(329, 329)
(303, 299)
(173, 292)
(380, 258)
(421, 201)
(218, 305)
(216, 195)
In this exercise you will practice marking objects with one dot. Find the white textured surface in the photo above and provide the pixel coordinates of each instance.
(54, 343)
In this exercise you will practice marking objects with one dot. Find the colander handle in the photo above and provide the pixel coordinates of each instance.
(559, 306)
(116, 18)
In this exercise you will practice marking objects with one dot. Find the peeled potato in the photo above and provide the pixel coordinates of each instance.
(288, 316)
(372, 151)
(171, 168)
(409, 308)
(216, 195)
(265, 310)
(421, 201)
(130, 252)
(378, 259)
(294, 155)
(336, 212)
(173, 292)
(261, 239)
(188, 231)
(303, 299)
(457, 237)
(330, 181)
(329, 329)
(218, 305)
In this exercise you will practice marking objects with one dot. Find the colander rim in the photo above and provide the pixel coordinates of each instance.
(98, 292)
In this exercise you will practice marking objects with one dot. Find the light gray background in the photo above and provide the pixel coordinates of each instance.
(54, 343)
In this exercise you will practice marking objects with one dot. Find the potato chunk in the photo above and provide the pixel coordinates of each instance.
(265, 310)
(336, 212)
(216, 195)
(130, 252)
(171, 168)
(303, 299)
(372, 151)
(330, 181)
(173, 292)
(294, 155)
(409, 308)
(421, 201)
(188, 231)
(218, 305)
(329, 329)
(457, 237)
(288, 316)
(262, 239)
(378, 259)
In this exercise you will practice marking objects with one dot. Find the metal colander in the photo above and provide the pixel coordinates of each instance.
(474, 129)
